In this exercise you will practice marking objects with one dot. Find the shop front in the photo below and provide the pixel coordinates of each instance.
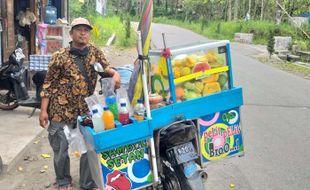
(21, 20)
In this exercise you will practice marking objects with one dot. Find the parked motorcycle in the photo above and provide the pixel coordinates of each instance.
(177, 151)
(13, 90)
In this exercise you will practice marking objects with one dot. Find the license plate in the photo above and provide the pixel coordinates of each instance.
(184, 152)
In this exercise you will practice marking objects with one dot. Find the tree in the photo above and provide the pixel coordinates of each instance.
(270, 45)
(279, 3)
(236, 9)
(229, 11)
(262, 10)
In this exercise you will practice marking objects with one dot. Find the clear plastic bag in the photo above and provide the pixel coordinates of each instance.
(94, 103)
(122, 97)
(107, 86)
(75, 140)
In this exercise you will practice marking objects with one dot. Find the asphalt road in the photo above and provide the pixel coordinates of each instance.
(274, 117)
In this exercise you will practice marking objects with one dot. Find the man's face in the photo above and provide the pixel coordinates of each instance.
(80, 35)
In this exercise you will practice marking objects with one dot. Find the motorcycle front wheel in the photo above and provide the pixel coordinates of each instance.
(7, 100)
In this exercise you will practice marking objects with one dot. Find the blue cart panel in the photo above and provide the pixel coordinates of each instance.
(126, 167)
(220, 135)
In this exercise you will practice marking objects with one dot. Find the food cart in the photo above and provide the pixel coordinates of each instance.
(196, 83)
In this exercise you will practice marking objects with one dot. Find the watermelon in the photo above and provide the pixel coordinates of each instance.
(201, 66)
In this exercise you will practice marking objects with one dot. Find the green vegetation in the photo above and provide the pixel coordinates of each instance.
(300, 70)
(226, 30)
(270, 46)
(104, 27)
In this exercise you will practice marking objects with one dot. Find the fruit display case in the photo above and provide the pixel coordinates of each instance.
(194, 78)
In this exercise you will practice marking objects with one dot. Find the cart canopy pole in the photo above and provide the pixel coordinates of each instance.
(147, 106)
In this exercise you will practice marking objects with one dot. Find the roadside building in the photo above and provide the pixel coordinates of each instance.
(20, 20)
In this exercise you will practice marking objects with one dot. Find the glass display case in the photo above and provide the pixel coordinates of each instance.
(192, 71)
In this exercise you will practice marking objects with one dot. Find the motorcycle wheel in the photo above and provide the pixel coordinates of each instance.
(7, 101)
(170, 181)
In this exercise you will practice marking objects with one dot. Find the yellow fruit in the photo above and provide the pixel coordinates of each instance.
(177, 62)
(191, 60)
(203, 58)
(176, 72)
(210, 88)
(211, 56)
(212, 78)
(199, 87)
(185, 71)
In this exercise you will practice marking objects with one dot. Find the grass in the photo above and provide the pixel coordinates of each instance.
(290, 67)
(104, 27)
(226, 30)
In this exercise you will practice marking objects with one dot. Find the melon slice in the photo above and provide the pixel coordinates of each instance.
(201, 66)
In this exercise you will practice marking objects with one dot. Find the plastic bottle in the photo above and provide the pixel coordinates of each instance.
(139, 111)
(112, 104)
(108, 118)
(50, 13)
(97, 121)
(123, 114)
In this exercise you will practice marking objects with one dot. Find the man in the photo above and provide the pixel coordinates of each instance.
(63, 93)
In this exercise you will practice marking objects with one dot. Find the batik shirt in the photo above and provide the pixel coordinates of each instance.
(65, 86)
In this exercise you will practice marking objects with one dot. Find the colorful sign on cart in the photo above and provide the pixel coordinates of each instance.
(220, 135)
(126, 167)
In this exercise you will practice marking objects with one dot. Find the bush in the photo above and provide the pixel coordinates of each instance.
(226, 30)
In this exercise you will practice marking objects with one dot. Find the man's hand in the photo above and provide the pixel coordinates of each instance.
(117, 80)
(43, 118)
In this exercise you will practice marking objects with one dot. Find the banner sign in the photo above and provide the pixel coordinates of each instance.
(126, 167)
(220, 135)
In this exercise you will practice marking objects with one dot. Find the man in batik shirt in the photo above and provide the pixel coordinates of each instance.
(63, 94)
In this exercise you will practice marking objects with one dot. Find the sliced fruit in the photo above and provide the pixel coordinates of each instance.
(201, 66)
(212, 78)
(210, 88)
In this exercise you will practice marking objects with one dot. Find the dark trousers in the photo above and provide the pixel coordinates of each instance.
(59, 144)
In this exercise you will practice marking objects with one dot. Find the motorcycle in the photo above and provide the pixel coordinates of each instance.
(13, 90)
(177, 151)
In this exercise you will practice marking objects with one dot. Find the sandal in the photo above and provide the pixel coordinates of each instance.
(65, 187)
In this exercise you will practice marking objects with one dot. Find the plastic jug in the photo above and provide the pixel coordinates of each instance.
(50, 14)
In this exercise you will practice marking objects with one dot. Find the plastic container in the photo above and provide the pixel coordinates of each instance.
(97, 121)
(139, 111)
(112, 104)
(123, 114)
(108, 119)
(50, 14)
